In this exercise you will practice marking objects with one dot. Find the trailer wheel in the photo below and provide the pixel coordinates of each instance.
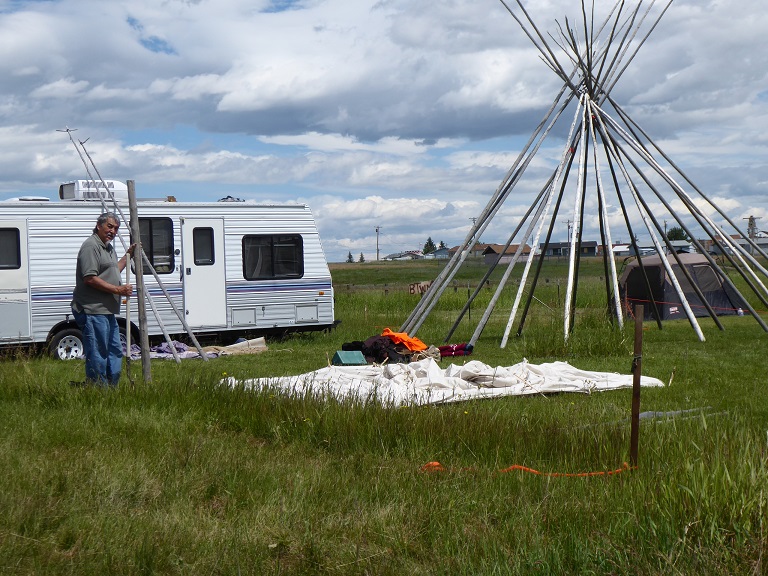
(67, 344)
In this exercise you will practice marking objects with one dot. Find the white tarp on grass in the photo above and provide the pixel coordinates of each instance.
(425, 382)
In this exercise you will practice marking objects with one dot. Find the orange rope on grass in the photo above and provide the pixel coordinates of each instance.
(625, 467)
(437, 467)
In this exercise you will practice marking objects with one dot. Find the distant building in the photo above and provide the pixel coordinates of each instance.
(475, 252)
(712, 248)
(681, 247)
(407, 255)
(439, 254)
(642, 250)
(492, 251)
(588, 248)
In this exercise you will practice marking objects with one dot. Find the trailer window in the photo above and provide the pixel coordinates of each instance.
(157, 242)
(202, 246)
(10, 249)
(273, 256)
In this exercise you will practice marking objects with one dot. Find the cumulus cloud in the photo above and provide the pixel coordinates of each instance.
(402, 114)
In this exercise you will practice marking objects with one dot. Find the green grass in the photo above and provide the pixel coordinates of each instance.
(186, 476)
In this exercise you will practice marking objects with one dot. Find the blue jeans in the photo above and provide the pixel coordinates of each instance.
(102, 347)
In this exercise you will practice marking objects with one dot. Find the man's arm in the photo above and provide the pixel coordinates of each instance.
(99, 284)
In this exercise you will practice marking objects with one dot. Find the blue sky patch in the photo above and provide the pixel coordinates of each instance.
(283, 5)
(152, 43)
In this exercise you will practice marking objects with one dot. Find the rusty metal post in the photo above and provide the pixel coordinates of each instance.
(637, 364)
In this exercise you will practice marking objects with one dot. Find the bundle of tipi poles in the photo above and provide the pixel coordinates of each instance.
(607, 160)
(110, 204)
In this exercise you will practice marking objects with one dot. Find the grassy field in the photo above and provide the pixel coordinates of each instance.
(186, 476)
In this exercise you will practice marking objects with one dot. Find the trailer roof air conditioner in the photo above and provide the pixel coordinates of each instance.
(93, 190)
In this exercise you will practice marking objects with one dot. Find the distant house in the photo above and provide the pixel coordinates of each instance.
(439, 254)
(492, 251)
(681, 247)
(588, 248)
(407, 255)
(760, 240)
(642, 250)
(475, 252)
(621, 250)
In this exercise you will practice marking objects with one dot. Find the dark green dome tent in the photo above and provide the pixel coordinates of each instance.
(723, 300)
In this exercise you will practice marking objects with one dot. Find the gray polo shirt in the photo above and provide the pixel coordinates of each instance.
(96, 259)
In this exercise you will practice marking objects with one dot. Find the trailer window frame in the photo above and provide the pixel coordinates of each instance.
(203, 246)
(272, 256)
(10, 259)
(157, 243)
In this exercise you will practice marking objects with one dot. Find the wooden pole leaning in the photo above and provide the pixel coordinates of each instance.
(146, 367)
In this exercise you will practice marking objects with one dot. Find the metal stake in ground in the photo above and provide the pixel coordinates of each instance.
(637, 361)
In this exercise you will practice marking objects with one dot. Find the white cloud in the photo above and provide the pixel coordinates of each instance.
(404, 114)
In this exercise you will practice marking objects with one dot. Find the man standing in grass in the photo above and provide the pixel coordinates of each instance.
(96, 300)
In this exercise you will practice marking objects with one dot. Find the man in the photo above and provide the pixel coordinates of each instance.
(96, 300)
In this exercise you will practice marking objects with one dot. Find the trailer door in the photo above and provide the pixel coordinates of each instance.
(14, 282)
(205, 295)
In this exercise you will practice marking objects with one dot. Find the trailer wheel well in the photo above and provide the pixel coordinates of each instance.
(65, 325)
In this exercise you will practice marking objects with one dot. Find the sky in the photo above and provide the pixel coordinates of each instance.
(394, 120)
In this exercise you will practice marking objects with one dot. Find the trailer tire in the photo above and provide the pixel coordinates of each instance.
(67, 344)
(124, 338)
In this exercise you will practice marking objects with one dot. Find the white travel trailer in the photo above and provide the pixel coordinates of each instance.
(232, 268)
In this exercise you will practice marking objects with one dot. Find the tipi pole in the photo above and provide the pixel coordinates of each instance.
(631, 232)
(429, 300)
(104, 206)
(605, 229)
(567, 152)
(723, 277)
(576, 230)
(505, 277)
(175, 308)
(498, 260)
(686, 199)
(629, 121)
(540, 262)
(670, 248)
(128, 324)
(618, 74)
(611, 146)
(714, 231)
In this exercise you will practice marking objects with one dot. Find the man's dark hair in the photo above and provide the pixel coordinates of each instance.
(103, 218)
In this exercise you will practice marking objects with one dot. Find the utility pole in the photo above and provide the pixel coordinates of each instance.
(377, 242)
(752, 226)
(752, 230)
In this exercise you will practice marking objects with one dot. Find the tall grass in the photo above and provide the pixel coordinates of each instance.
(187, 476)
